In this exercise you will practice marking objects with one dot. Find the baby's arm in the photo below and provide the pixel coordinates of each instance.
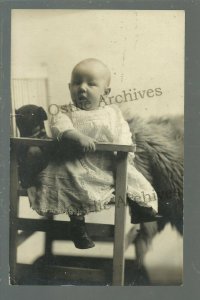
(85, 143)
(63, 129)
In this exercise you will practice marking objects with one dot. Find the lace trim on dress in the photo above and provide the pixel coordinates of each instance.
(72, 210)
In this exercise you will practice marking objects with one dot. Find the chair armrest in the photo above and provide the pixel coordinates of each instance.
(115, 147)
(45, 142)
(31, 142)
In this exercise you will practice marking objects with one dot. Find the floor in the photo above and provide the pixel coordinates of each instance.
(163, 262)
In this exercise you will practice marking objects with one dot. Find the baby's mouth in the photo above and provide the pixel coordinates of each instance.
(82, 98)
(83, 102)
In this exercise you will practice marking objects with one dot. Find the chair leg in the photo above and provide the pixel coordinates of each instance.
(48, 241)
(120, 219)
(14, 203)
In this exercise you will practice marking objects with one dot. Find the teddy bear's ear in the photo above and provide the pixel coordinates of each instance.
(42, 113)
(18, 116)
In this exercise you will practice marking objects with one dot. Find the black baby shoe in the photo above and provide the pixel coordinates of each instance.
(142, 214)
(79, 234)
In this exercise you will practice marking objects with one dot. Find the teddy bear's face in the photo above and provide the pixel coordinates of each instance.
(30, 120)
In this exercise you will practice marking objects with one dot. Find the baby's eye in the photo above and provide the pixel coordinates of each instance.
(92, 83)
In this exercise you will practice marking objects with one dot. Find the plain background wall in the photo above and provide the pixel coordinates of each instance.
(143, 49)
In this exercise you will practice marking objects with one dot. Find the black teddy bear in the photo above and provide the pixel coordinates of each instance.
(30, 122)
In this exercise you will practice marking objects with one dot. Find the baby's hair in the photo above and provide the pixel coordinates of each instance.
(95, 60)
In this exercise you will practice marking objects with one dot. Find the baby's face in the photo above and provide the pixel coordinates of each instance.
(88, 84)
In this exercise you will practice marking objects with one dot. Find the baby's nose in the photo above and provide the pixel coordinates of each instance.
(83, 87)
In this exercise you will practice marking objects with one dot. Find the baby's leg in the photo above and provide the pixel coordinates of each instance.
(142, 198)
(141, 213)
(78, 232)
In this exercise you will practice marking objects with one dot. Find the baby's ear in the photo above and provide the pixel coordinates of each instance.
(107, 91)
(69, 86)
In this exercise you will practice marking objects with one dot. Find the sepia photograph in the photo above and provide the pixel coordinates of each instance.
(97, 134)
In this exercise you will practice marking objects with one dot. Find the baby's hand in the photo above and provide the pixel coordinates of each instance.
(87, 144)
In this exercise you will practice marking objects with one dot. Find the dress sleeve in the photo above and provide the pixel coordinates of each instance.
(124, 133)
(60, 123)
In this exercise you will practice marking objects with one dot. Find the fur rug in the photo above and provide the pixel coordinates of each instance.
(159, 157)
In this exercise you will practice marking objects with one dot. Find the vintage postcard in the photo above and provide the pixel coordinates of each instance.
(97, 114)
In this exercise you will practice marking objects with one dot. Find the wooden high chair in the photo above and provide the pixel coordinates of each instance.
(58, 229)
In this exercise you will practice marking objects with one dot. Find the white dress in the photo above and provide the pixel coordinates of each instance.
(86, 184)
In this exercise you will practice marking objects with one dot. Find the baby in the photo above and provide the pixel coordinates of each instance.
(85, 182)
